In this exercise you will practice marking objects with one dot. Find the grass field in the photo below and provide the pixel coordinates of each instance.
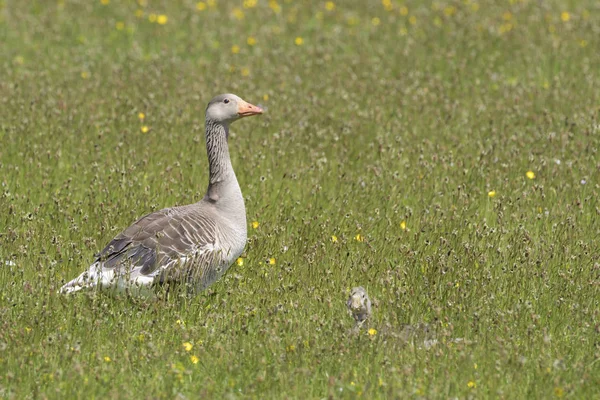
(442, 154)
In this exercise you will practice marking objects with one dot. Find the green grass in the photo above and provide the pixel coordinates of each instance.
(367, 126)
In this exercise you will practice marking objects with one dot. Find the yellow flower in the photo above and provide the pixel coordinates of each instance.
(273, 5)
(85, 74)
(152, 17)
(565, 16)
(558, 391)
(120, 25)
(105, 2)
(491, 193)
(475, 365)
(299, 41)
(375, 21)
(194, 359)
(271, 261)
(387, 4)
(251, 41)
(403, 225)
(265, 97)
(141, 116)
(211, 3)
(404, 11)
(530, 174)
(583, 42)
(235, 49)
(334, 238)
(239, 261)
(139, 13)
(255, 224)
(188, 346)
(180, 322)
(372, 332)
(238, 14)
(144, 129)
(412, 20)
(450, 11)
(507, 16)
(162, 19)
(359, 238)
(249, 3)
(19, 60)
(107, 359)
(291, 348)
(245, 71)
(472, 384)
(475, 7)
(201, 6)
(330, 6)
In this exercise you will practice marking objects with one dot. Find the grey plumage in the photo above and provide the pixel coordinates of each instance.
(195, 243)
(359, 305)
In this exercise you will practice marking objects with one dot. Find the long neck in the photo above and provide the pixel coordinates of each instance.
(217, 149)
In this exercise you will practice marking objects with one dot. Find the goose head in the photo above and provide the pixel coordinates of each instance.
(226, 108)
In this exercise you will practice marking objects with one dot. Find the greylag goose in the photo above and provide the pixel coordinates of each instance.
(359, 305)
(195, 243)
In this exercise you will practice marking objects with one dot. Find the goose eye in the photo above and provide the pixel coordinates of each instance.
(226, 101)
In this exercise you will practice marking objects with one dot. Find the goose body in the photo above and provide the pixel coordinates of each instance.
(193, 244)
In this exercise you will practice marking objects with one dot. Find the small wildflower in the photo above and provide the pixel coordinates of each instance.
(412, 20)
(271, 261)
(144, 129)
(475, 365)
(565, 16)
(245, 71)
(152, 18)
(507, 16)
(249, 3)
(235, 49)
(472, 384)
(387, 4)
(27, 329)
(107, 359)
(141, 116)
(403, 225)
(85, 75)
(291, 348)
(105, 2)
(359, 238)
(238, 14)
(120, 25)
(19, 60)
(255, 224)
(180, 322)
(239, 261)
(139, 13)
(352, 383)
(201, 6)
(188, 346)
(273, 5)
(299, 41)
(251, 41)
(558, 391)
(492, 193)
(583, 43)
(404, 11)
(372, 332)
(375, 21)
(265, 97)
(334, 238)
(194, 359)
(330, 6)
(530, 174)
(162, 19)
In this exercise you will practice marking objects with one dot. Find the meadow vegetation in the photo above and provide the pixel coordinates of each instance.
(442, 154)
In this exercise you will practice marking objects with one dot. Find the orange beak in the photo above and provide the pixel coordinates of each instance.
(247, 109)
